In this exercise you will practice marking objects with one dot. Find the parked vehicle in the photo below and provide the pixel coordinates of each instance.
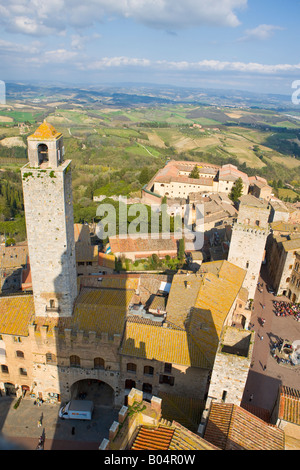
(77, 409)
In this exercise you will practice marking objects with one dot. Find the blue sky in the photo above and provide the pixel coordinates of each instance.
(238, 44)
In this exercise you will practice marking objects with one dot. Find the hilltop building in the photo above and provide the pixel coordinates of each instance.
(173, 181)
(260, 188)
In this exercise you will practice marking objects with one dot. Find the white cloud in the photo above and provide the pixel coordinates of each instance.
(8, 46)
(108, 62)
(26, 25)
(42, 17)
(261, 32)
(204, 66)
(78, 41)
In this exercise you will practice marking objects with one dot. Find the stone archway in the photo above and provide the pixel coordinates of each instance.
(98, 391)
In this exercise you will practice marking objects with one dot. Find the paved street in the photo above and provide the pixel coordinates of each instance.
(20, 426)
(265, 375)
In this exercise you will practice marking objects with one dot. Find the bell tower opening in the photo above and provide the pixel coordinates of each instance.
(43, 156)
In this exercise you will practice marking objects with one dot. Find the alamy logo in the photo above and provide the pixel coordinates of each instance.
(188, 222)
(2, 92)
(296, 93)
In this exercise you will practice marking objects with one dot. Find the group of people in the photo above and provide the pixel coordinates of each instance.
(284, 309)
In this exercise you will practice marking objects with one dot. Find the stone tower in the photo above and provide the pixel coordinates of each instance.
(230, 370)
(248, 239)
(47, 189)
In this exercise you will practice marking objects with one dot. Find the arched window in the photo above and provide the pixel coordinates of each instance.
(131, 367)
(43, 153)
(99, 363)
(20, 354)
(148, 370)
(74, 361)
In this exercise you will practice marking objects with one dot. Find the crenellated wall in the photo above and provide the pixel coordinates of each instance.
(62, 357)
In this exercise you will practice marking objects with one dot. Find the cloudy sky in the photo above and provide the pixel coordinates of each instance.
(238, 44)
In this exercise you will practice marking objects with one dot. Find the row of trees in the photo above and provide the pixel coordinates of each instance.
(11, 196)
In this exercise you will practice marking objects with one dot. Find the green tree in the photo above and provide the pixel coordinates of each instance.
(237, 190)
(181, 249)
(144, 176)
(194, 173)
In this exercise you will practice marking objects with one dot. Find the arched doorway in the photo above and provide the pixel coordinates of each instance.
(99, 392)
(10, 389)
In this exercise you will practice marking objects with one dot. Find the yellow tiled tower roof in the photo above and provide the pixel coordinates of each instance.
(45, 132)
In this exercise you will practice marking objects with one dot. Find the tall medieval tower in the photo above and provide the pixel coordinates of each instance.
(248, 239)
(47, 189)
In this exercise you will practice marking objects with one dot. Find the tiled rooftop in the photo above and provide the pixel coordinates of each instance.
(153, 438)
(16, 313)
(182, 297)
(45, 132)
(183, 439)
(201, 302)
(13, 256)
(289, 405)
(249, 200)
(183, 409)
(280, 226)
(133, 244)
(169, 437)
(233, 428)
(105, 260)
(101, 310)
(162, 344)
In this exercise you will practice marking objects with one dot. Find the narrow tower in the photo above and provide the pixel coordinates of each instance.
(47, 189)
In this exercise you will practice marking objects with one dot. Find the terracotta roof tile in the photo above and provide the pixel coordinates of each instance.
(230, 427)
(16, 313)
(102, 310)
(289, 405)
(163, 344)
(153, 438)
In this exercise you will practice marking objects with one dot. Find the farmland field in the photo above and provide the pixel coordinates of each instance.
(116, 148)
